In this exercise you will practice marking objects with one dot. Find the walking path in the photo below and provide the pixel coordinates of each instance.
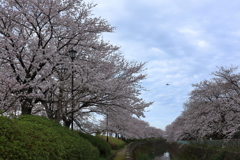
(120, 155)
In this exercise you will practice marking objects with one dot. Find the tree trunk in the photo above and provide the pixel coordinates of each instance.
(26, 110)
(67, 123)
(48, 109)
(26, 107)
(59, 105)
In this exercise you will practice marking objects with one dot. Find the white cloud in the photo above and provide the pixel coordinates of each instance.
(183, 42)
(189, 32)
(202, 44)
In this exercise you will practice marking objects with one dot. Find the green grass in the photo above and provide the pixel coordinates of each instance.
(38, 138)
(118, 148)
(114, 142)
(103, 147)
(217, 147)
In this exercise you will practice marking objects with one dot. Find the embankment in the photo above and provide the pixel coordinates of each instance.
(187, 152)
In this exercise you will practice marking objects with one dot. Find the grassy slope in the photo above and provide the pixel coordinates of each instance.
(34, 137)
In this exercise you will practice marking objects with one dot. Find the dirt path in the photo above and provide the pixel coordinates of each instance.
(120, 155)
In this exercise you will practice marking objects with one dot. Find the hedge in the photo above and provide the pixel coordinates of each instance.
(37, 138)
(103, 146)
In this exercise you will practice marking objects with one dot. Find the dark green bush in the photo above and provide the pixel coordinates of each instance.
(37, 138)
(102, 145)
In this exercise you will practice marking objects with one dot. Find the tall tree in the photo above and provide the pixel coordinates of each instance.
(35, 37)
(36, 70)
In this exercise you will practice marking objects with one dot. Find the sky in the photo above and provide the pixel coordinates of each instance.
(182, 41)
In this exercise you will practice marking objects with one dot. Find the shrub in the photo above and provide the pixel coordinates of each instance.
(102, 145)
(114, 142)
(37, 138)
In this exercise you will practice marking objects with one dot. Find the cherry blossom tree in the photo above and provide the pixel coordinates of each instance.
(36, 70)
(128, 126)
(99, 85)
(212, 109)
(35, 36)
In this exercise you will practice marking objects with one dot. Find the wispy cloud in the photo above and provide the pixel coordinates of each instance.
(183, 41)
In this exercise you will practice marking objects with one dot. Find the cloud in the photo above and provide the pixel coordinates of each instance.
(189, 32)
(183, 41)
(202, 44)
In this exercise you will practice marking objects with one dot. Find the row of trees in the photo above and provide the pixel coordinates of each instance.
(212, 110)
(127, 126)
(36, 70)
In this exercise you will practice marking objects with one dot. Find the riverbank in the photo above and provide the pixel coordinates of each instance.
(127, 153)
(176, 151)
(188, 152)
